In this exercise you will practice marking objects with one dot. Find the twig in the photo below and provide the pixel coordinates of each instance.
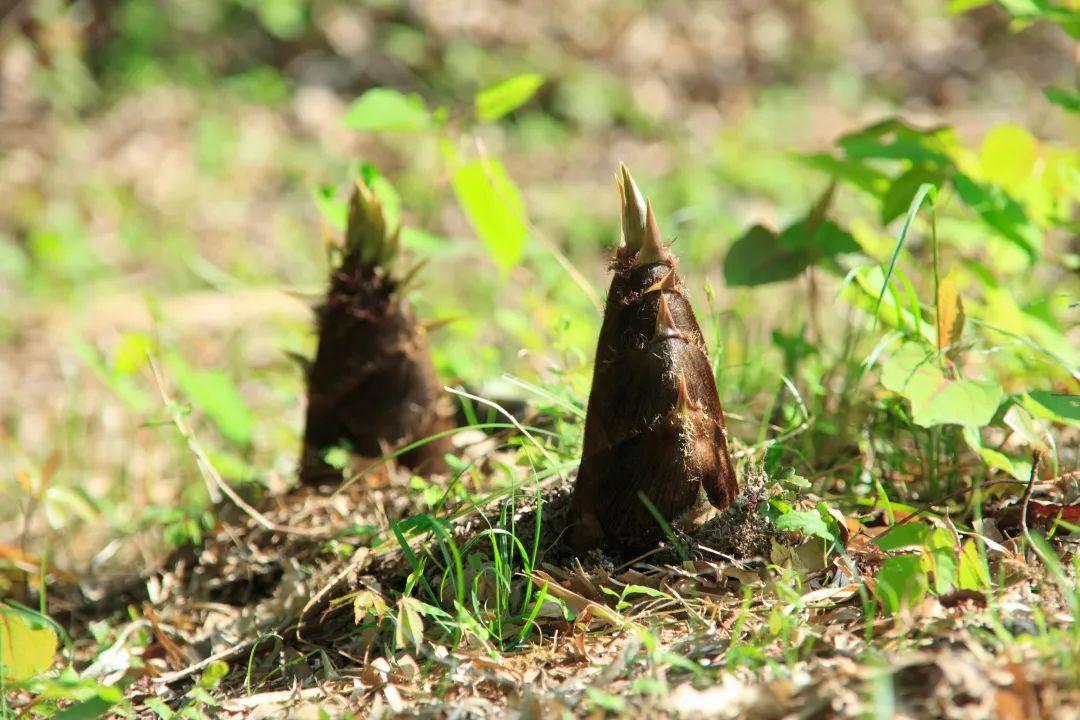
(226, 654)
(1036, 460)
(209, 473)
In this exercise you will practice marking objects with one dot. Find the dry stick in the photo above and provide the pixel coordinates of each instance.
(209, 473)
(226, 654)
(1036, 460)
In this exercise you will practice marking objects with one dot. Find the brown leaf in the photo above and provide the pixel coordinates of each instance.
(950, 313)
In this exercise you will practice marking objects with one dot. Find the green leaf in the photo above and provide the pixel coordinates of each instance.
(381, 109)
(631, 590)
(1059, 406)
(852, 172)
(828, 239)
(91, 709)
(902, 536)
(758, 258)
(1063, 97)
(761, 256)
(215, 394)
(493, 205)
(972, 573)
(807, 522)
(894, 139)
(997, 209)
(901, 582)
(410, 625)
(503, 98)
(903, 189)
(942, 559)
(1008, 155)
(936, 400)
(213, 675)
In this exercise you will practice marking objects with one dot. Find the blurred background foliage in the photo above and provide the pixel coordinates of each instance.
(171, 174)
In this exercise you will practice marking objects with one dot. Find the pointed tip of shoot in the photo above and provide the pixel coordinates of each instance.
(633, 207)
(366, 232)
(684, 405)
(665, 323)
(664, 284)
(652, 247)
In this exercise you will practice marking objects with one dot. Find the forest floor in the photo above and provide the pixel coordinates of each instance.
(160, 250)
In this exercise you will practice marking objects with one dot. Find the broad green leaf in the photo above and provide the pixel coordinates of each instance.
(761, 256)
(92, 709)
(494, 207)
(214, 393)
(758, 258)
(382, 109)
(860, 175)
(1008, 155)
(807, 522)
(950, 313)
(902, 536)
(502, 98)
(1063, 97)
(1063, 14)
(410, 626)
(25, 650)
(902, 190)
(942, 559)
(826, 240)
(998, 210)
(368, 602)
(936, 400)
(972, 573)
(894, 139)
(1059, 407)
(213, 675)
(901, 582)
(1015, 467)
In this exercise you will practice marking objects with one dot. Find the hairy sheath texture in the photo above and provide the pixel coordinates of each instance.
(372, 386)
(654, 425)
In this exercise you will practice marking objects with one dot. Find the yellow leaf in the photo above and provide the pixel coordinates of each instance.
(24, 651)
(950, 312)
(1008, 155)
